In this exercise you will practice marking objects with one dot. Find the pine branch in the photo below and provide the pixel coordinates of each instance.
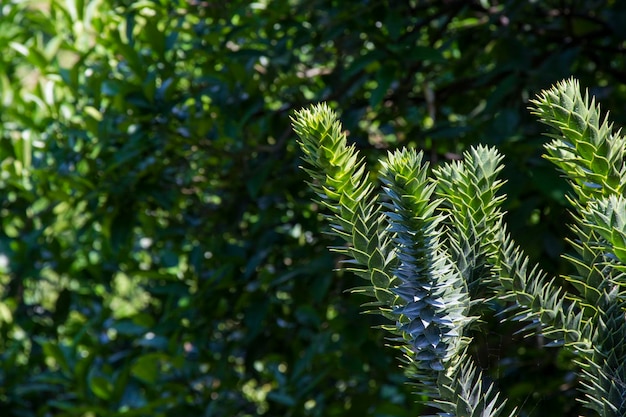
(436, 302)
(604, 373)
(592, 158)
(490, 258)
(428, 260)
(469, 189)
(341, 182)
(538, 300)
(602, 225)
(585, 150)
(468, 395)
(421, 287)
(434, 297)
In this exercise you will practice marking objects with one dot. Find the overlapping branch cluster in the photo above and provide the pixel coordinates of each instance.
(432, 246)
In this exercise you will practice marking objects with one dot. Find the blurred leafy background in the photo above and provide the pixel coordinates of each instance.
(159, 252)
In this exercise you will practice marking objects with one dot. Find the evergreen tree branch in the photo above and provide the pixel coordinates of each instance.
(591, 156)
(341, 182)
(466, 393)
(490, 258)
(469, 189)
(585, 150)
(537, 299)
(604, 372)
(432, 315)
(429, 260)
(423, 289)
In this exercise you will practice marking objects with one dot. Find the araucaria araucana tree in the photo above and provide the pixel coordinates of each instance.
(433, 247)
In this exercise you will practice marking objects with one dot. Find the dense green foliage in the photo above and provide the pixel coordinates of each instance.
(158, 252)
(426, 259)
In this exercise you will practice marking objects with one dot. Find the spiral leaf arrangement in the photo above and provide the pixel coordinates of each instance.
(433, 246)
(591, 155)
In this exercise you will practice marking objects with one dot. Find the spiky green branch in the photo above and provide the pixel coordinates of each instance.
(396, 246)
(341, 182)
(591, 156)
(586, 149)
(469, 190)
(431, 249)
(435, 302)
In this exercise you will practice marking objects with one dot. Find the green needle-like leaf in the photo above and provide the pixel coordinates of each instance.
(433, 249)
